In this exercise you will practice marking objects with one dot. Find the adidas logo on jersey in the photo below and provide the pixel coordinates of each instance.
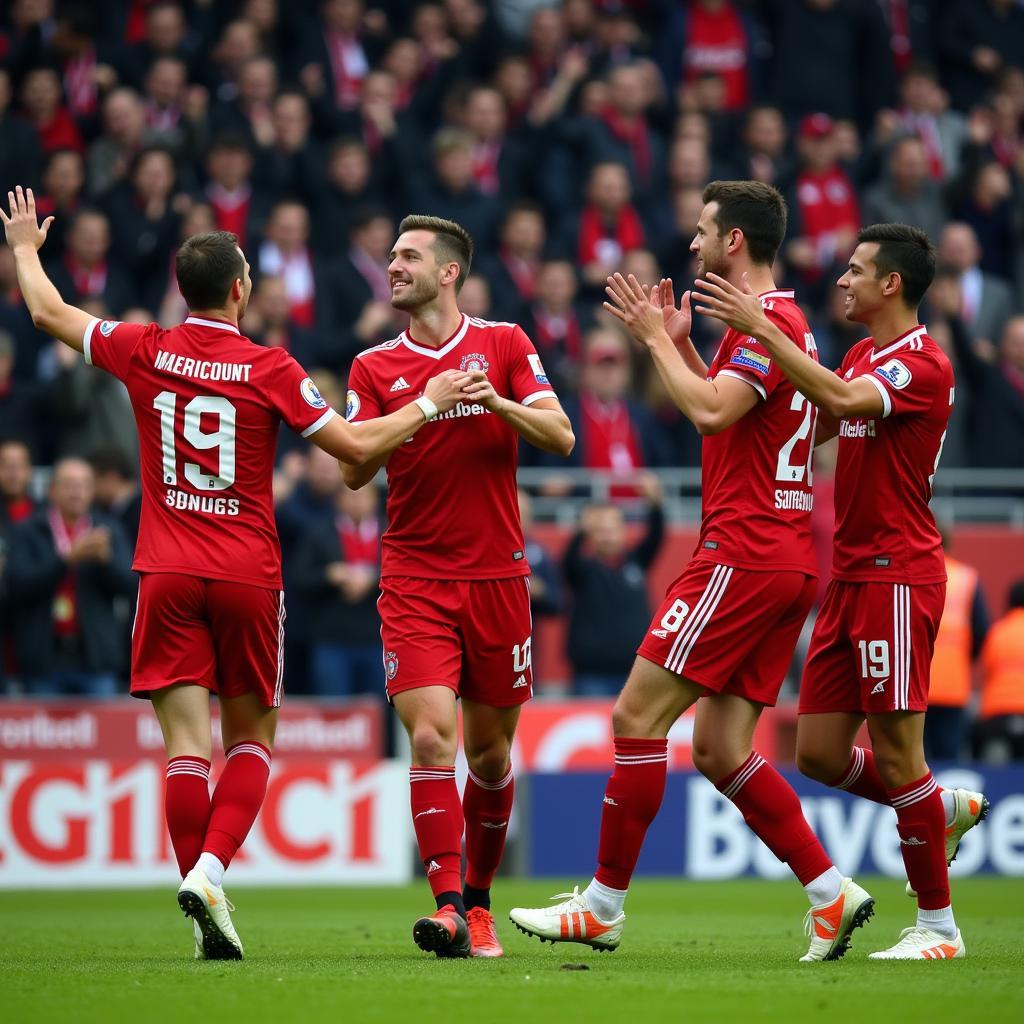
(433, 866)
(400, 385)
(879, 688)
(521, 681)
(662, 633)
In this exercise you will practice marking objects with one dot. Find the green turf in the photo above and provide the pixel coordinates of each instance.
(700, 952)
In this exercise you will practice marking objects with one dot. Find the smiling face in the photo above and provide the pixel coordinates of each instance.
(865, 292)
(414, 271)
(708, 245)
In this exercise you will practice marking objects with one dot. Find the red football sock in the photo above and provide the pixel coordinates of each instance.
(237, 799)
(921, 823)
(187, 808)
(862, 779)
(631, 800)
(772, 810)
(437, 819)
(486, 807)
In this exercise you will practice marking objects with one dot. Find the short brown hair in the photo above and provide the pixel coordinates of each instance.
(451, 241)
(757, 209)
(206, 266)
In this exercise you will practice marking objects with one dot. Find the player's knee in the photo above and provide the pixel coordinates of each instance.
(430, 746)
(490, 763)
(817, 765)
(628, 721)
(894, 767)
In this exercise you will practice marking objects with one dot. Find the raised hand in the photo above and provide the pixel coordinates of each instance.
(678, 320)
(22, 226)
(740, 308)
(631, 305)
(445, 389)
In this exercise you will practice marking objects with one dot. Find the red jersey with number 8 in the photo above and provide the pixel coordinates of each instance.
(756, 475)
(885, 531)
(207, 403)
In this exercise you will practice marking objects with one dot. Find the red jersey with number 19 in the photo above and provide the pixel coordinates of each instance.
(207, 403)
(756, 475)
(885, 531)
(452, 507)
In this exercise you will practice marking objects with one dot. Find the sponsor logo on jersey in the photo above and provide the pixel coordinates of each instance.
(711, 545)
(537, 366)
(311, 394)
(878, 688)
(895, 374)
(751, 360)
(391, 664)
(107, 327)
(352, 405)
(857, 428)
(913, 841)
(661, 633)
(400, 385)
(518, 556)
(883, 563)
(429, 810)
(474, 362)
(519, 683)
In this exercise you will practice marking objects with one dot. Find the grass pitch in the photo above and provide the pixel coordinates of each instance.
(700, 952)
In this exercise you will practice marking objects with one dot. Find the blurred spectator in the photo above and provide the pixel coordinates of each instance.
(239, 43)
(988, 206)
(999, 736)
(556, 322)
(986, 301)
(389, 135)
(349, 187)
(236, 206)
(43, 103)
(334, 58)
(613, 432)
(88, 270)
(310, 501)
(764, 155)
(337, 569)
(977, 39)
(909, 194)
(995, 416)
(77, 46)
(820, 49)
(962, 631)
(824, 216)
(144, 224)
(610, 607)
(475, 297)
(123, 137)
(164, 35)
(118, 494)
(285, 253)
(66, 568)
(249, 113)
(609, 225)
(15, 319)
(20, 403)
(292, 163)
(16, 504)
(60, 196)
(20, 154)
(500, 163)
(90, 409)
(513, 273)
(267, 322)
(545, 576)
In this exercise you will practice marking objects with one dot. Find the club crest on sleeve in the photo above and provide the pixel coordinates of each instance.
(895, 374)
(474, 362)
(751, 360)
(311, 394)
(352, 405)
(538, 368)
(107, 327)
(391, 664)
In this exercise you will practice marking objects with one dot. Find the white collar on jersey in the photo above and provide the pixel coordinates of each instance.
(779, 294)
(911, 337)
(437, 353)
(219, 324)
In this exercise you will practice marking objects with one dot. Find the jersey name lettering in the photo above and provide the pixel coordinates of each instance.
(201, 369)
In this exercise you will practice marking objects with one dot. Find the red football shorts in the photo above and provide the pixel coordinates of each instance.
(228, 637)
(472, 636)
(871, 649)
(731, 630)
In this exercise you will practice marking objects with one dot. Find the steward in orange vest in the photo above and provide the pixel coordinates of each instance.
(1001, 729)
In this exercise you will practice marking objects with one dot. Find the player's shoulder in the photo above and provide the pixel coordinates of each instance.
(377, 354)
(491, 331)
(781, 307)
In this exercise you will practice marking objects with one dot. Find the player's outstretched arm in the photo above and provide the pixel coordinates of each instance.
(741, 310)
(50, 313)
(711, 405)
(361, 443)
(544, 423)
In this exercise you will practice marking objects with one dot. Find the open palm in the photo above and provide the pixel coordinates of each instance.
(677, 319)
(22, 227)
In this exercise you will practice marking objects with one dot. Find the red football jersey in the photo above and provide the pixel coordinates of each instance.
(885, 530)
(207, 403)
(452, 506)
(756, 475)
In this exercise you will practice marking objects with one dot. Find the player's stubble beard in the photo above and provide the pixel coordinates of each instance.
(417, 293)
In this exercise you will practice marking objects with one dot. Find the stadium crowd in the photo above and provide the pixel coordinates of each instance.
(571, 139)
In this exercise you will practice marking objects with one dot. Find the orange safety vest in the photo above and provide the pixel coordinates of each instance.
(1002, 659)
(950, 684)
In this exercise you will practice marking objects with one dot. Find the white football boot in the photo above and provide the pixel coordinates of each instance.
(210, 909)
(571, 921)
(969, 809)
(830, 926)
(197, 932)
(919, 943)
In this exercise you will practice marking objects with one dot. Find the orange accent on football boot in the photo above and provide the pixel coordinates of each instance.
(827, 919)
(943, 951)
(444, 933)
(483, 939)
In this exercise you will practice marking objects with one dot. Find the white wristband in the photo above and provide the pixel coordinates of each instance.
(427, 407)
